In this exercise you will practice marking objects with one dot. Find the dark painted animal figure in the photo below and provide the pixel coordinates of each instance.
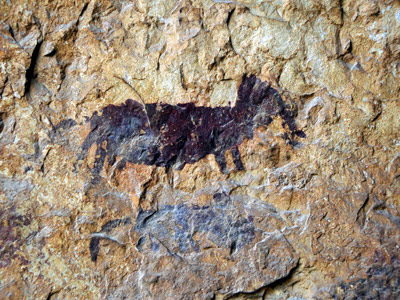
(176, 226)
(222, 222)
(174, 135)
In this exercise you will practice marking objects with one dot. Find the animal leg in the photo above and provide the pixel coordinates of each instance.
(236, 158)
(220, 158)
(94, 248)
(99, 161)
(111, 150)
(87, 143)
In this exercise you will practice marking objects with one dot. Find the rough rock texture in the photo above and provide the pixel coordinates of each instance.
(184, 149)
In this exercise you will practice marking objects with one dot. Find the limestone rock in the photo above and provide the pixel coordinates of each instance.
(199, 149)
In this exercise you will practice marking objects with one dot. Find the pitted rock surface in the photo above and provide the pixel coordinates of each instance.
(186, 149)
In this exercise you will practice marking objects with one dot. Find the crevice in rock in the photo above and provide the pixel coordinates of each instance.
(51, 294)
(228, 19)
(3, 88)
(30, 72)
(232, 248)
(361, 214)
(182, 79)
(264, 290)
(44, 160)
(280, 282)
(11, 31)
(85, 6)
(2, 114)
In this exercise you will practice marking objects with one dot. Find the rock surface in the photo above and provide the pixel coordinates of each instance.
(259, 157)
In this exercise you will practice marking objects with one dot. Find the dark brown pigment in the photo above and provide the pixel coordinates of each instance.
(173, 135)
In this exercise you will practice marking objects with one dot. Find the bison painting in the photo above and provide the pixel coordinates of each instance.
(174, 135)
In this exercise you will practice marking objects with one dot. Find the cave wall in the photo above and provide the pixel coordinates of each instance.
(184, 149)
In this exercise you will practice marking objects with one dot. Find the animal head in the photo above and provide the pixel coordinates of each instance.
(260, 98)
